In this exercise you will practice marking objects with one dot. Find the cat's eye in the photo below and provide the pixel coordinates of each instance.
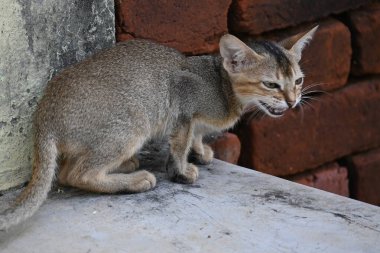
(271, 85)
(299, 81)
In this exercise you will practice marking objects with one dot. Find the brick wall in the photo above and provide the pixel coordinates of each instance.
(333, 142)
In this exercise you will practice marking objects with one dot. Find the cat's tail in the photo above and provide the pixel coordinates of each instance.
(32, 197)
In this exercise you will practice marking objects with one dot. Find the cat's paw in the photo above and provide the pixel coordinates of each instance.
(142, 181)
(189, 176)
(203, 159)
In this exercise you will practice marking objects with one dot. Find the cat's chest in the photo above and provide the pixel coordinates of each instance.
(217, 123)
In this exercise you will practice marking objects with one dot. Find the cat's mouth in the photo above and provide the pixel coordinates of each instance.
(277, 112)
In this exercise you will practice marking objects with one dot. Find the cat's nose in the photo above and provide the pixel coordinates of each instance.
(290, 103)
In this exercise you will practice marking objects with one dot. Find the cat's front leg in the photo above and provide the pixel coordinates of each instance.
(180, 142)
(200, 152)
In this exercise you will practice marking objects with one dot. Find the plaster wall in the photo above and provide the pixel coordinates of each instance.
(37, 39)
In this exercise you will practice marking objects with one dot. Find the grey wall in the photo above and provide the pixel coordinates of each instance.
(37, 39)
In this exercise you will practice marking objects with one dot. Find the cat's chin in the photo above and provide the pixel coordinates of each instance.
(273, 112)
(274, 115)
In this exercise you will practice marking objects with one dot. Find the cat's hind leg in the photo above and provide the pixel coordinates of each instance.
(128, 166)
(95, 171)
(65, 165)
(97, 178)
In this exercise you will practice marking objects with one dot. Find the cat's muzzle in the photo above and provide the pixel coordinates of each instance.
(272, 111)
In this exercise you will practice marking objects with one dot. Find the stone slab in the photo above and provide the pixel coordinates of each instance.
(229, 209)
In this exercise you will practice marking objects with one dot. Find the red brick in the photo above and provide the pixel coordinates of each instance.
(365, 26)
(227, 148)
(332, 178)
(123, 37)
(257, 16)
(193, 27)
(339, 124)
(365, 176)
(326, 60)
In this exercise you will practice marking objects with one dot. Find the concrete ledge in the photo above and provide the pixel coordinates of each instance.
(230, 209)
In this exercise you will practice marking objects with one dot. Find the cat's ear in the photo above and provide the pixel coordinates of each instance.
(296, 43)
(236, 55)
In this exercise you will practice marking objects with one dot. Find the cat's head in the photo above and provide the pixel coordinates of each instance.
(267, 74)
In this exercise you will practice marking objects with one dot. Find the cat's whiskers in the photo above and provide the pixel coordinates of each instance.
(304, 61)
(308, 94)
(302, 112)
(312, 98)
(253, 116)
(315, 92)
(305, 102)
(249, 108)
(312, 85)
(262, 115)
(253, 111)
(307, 90)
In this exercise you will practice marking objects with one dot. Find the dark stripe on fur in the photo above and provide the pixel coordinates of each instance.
(282, 60)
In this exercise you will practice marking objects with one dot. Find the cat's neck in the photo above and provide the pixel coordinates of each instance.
(227, 108)
(236, 107)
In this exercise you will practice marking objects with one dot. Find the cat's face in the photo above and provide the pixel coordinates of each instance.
(266, 75)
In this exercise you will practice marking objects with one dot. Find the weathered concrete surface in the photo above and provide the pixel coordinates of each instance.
(37, 39)
(230, 209)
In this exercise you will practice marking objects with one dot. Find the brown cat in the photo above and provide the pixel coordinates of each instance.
(97, 114)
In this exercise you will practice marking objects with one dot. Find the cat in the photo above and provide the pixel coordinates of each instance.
(97, 114)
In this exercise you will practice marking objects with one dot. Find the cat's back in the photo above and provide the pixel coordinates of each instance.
(133, 75)
(135, 65)
(124, 61)
(143, 54)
